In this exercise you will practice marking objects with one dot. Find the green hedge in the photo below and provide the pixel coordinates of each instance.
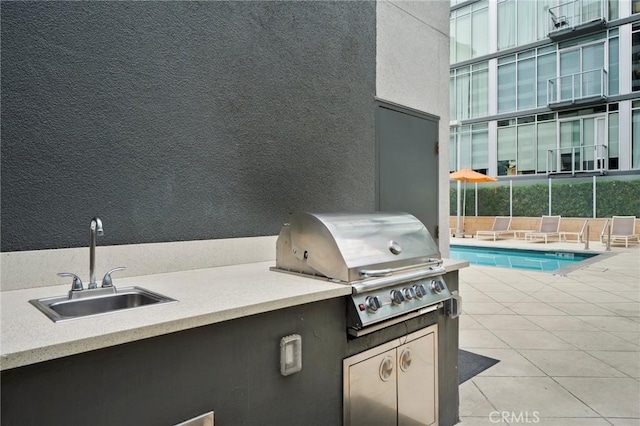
(614, 197)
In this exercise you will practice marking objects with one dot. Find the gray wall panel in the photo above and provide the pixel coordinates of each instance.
(182, 120)
(408, 163)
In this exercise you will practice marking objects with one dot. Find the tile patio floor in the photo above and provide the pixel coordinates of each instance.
(569, 346)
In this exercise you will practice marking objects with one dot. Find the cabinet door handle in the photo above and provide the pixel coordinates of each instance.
(405, 359)
(386, 368)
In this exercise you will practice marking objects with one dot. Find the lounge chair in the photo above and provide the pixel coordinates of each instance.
(579, 235)
(549, 227)
(623, 228)
(501, 225)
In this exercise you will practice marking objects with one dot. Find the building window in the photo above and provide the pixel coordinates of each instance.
(591, 9)
(592, 59)
(582, 71)
(573, 62)
(453, 150)
(473, 149)
(546, 141)
(526, 80)
(506, 24)
(635, 58)
(613, 10)
(524, 145)
(469, 92)
(507, 84)
(613, 150)
(526, 158)
(583, 140)
(480, 148)
(614, 62)
(469, 29)
(506, 147)
(546, 69)
(635, 6)
(518, 74)
(522, 22)
(635, 138)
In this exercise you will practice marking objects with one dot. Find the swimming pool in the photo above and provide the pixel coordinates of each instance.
(520, 259)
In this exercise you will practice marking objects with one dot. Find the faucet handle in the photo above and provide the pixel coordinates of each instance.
(106, 281)
(76, 285)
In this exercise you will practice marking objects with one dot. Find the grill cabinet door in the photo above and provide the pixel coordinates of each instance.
(417, 400)
(372, 391)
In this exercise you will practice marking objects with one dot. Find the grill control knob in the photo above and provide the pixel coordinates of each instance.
(437, 286)
(373, 303)
(408, 293)
(394, 247)
(396, 297)
(420, 291)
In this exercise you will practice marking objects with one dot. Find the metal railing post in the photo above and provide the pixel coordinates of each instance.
(458, 211)
(549, 196)
(586, 240)
(594, 195)
(547, 162)
(476, 199)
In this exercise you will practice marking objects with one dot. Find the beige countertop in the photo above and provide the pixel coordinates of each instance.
(205, 296)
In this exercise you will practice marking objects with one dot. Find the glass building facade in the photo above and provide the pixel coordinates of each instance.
(541, 87)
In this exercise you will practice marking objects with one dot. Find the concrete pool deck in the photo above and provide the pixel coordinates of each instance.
(568, 344)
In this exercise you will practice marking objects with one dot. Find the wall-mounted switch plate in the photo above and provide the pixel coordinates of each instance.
(290, 354)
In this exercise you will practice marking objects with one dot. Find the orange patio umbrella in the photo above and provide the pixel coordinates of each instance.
(467, 175)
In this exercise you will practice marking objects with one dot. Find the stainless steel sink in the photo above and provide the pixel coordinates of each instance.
(62, 308)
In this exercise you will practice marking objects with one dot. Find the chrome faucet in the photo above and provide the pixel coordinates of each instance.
(77, 289)
(95, 230)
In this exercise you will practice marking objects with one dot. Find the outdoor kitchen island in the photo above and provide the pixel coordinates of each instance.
(217, 349)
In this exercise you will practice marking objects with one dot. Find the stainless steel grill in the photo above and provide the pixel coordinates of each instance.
(389, 259)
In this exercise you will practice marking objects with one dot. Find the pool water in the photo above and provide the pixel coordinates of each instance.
(519, 259)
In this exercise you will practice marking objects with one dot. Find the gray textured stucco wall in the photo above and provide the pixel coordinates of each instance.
(182, 120)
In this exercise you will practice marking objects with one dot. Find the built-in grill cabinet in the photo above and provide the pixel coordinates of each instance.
(399, 299)
(393, 384)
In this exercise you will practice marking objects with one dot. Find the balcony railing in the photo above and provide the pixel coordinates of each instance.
(578, 88)
(585, 158)
(578, 17)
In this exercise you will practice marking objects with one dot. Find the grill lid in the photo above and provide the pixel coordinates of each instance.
(352, 246)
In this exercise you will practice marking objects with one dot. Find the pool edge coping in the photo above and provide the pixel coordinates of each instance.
(595, 257)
